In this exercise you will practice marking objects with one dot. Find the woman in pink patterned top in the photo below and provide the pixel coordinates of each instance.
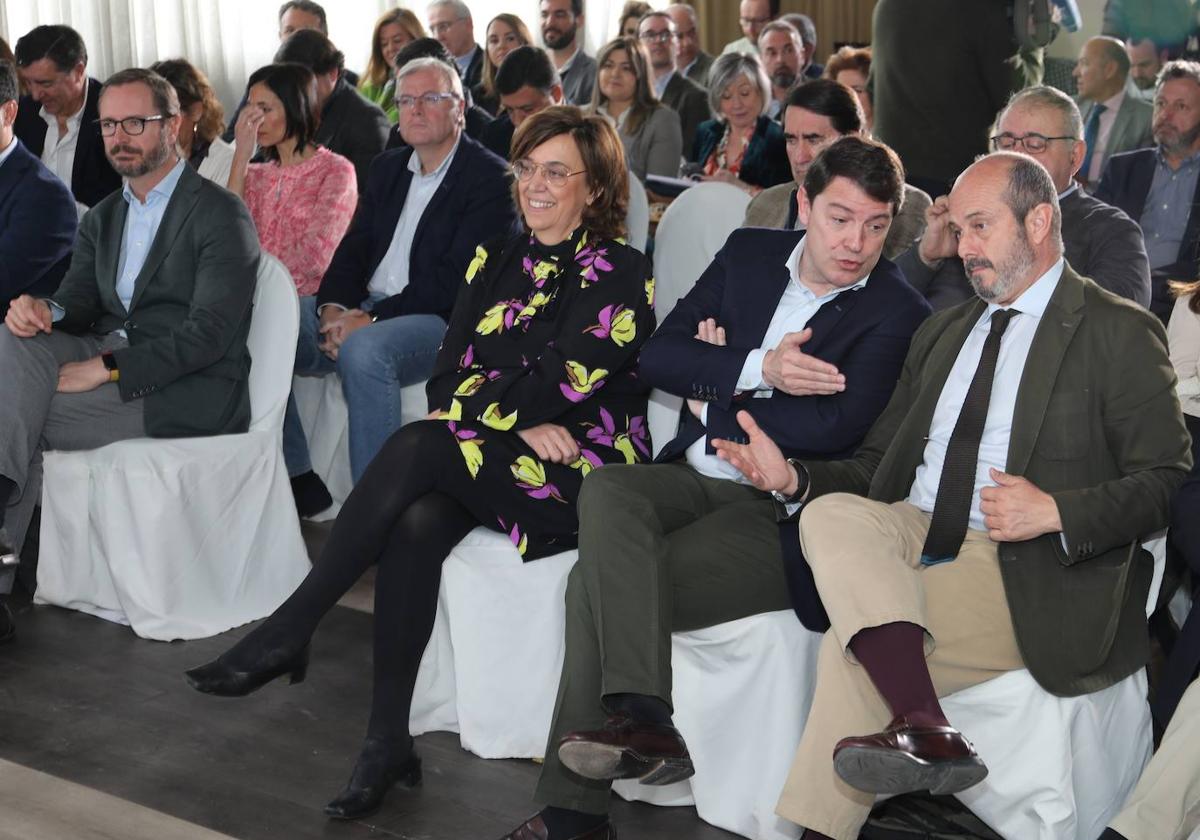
(302, 198)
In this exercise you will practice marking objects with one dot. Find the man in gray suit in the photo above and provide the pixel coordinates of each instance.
(146, 335)
(1115, 119)
(562, 33)
(816, 114)
(657, 33)
(1100, 241)
(692, 61)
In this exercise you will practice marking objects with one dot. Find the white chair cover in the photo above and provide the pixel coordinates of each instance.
(326, 422)
(637, 217)
(184, 538)
(691, 231)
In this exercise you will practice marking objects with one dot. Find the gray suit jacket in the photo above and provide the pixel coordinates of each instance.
(700, 69)
(1097, 425)
(776, 208)
(579, 80)
(190, 313)
(657, 147)
(1131, 127)
(690, 101)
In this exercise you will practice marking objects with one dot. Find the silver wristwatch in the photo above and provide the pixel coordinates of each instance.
(802, 482)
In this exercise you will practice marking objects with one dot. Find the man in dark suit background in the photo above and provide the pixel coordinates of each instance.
(527, 83)
(692, 61)
(57, 119)
(146, 335)
(450, 22)
(37, 212)
(1100, 241)
(1160, 187)
(686, 542)
(992, 518)
(382, 308)
(656, 31)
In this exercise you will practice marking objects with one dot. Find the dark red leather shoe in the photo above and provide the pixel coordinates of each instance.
(906, 757)
(534, 829)
(625, 749)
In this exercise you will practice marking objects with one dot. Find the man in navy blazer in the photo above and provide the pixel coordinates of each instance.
(805, 330)
(382, 308)
(57, 121)
(1160, 186)
(37, 213)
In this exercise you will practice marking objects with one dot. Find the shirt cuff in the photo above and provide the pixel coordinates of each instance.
(57, 313)
(704, 415)
(751, 378)
(338, 305)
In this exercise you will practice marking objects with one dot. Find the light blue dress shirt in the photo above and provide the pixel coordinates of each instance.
(997, 429)
(1168, 206)
(464, 62)
(391, 275)
(660, 84)
(141, 226)
(796, 307)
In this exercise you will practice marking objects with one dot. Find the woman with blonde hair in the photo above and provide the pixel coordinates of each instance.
(505, 33)
(393, 30)
(201, 120)
(649, 130)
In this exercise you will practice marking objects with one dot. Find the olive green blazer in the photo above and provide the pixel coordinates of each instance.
(190, 313)
(1098, 426)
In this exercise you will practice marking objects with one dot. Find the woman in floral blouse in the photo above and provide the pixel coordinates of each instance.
(534, 387)
(303, 197)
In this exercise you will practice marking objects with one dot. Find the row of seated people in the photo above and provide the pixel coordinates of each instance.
(537, 173)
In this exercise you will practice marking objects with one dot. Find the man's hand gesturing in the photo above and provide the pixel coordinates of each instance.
(789, 369)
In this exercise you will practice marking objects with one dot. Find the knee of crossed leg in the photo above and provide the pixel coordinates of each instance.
(365, 354)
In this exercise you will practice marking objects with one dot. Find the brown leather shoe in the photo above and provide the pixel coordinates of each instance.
(534, 829)
(625, 749)
(906, 757)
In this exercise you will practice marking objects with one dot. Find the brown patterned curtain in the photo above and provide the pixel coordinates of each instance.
(837, 22)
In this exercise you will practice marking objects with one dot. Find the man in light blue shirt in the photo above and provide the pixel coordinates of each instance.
(146, 335)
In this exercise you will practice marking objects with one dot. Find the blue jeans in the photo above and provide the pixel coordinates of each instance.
(375, 363)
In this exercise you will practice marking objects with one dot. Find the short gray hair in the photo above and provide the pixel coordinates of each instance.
(1178, 69)
(449, 74)
(728, 68)
(1044, 96)
(1029, 185)
(687, 7)
(461, 10)
(805, 26)
(782, 26)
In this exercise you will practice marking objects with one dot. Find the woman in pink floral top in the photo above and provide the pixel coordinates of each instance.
(303, 197)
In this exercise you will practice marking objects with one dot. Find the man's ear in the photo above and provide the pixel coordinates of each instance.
(803, 205)
(1037, 223)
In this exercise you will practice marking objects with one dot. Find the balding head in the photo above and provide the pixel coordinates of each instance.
(1102, 68)
(1004, 209)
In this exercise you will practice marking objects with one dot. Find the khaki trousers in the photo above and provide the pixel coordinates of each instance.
(1165, 805)
(865, 557)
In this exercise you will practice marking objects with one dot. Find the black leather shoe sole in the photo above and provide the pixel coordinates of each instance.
(884, 771)
(594, 760)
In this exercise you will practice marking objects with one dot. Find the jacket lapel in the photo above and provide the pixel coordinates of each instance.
(1063, 314)
(179, 210)
(775, 283)
(108, 256)
(444, 189)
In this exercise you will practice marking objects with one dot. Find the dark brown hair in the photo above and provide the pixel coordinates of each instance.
(644, 100)
(192, 86)
(872, 167)
(603, 158)
(488, 78)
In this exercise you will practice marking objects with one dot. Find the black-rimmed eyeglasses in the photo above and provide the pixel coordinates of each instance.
(133, 126)
(1032, 142)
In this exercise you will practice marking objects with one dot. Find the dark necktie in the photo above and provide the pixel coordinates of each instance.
(1090, 133)
(952, 509)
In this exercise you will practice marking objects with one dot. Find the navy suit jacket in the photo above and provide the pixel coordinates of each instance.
(1126, 183)
(37, 227)
(865, 332)
(92, 176)
(472, 205)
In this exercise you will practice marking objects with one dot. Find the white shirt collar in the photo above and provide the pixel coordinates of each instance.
(72, 121)
(793, 267)
(1033, 301)
(1113, 103)
(1074, 187)
(414, 162)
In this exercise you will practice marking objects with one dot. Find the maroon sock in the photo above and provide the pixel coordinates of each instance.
(894, 657)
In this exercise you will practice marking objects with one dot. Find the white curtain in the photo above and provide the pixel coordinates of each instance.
(229, 39)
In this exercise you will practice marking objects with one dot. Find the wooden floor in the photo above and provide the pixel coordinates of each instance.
(88, 703)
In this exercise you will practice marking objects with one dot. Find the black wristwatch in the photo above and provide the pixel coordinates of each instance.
(110, 364)
(802, 482)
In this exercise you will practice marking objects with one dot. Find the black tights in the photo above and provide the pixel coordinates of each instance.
(400, 518)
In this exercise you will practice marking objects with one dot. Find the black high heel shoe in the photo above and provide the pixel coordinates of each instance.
(225, 680)
(375, 772)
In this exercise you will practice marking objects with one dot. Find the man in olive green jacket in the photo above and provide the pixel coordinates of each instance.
(146, 335)
(1059, 400)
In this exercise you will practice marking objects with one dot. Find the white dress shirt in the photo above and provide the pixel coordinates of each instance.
(796, 307)
(993, 448)
(1183, 339)
(1103, 134)
(58, 153)
(391, 275)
